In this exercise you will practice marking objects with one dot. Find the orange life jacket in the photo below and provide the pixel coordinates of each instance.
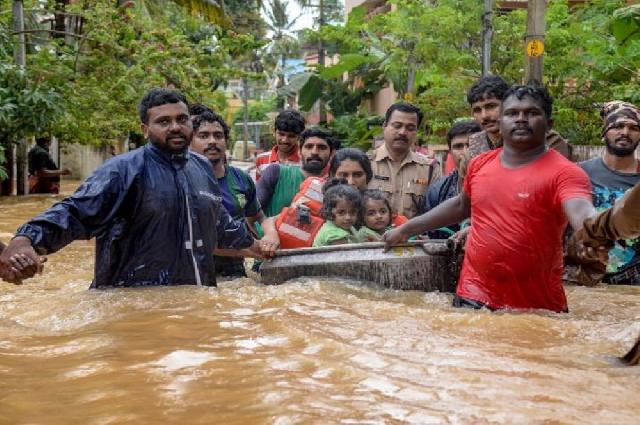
(297, 227)
(398, 220)
(311, 194)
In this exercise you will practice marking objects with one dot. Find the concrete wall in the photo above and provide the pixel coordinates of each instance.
(82, 160)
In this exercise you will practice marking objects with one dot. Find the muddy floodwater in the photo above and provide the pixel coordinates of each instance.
(310, 352)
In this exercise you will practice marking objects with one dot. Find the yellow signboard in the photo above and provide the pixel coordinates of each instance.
(535, 48)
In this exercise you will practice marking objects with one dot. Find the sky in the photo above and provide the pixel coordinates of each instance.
(306, 20)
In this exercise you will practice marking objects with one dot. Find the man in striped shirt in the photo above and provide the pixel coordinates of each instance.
(288, 126)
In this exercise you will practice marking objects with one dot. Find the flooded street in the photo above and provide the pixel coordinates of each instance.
(310, 351)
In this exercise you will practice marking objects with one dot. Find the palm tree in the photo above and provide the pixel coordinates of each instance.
(283, 44)
(327, 10)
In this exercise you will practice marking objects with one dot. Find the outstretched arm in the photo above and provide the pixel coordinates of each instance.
(451, 211)
(622, 221)
(577, 211)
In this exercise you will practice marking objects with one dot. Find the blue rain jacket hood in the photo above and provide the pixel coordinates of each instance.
(156, 217)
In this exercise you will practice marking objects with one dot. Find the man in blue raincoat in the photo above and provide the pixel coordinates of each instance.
(155, 212)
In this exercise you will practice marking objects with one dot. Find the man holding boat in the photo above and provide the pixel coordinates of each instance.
(519, 198)
(155, 212)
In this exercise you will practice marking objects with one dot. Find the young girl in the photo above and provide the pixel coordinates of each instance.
(342, 210)
(376, 212)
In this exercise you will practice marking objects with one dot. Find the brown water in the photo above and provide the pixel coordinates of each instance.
(311, 351)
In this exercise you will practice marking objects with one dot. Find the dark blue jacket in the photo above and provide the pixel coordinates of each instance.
(438, 192)
(156, 218)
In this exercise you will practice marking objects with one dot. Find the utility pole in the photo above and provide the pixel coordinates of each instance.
(487, 35)
(534, 41)
(19, 151)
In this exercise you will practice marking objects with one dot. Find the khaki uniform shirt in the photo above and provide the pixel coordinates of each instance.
(405, 185)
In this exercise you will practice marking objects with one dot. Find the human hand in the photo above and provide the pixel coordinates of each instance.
(19, 261)
(255, 250)
(66, 172)
(269, 244)
(588, 252)
(394, 237)
(460, 237)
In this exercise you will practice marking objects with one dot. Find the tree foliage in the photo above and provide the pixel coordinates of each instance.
(429, 52)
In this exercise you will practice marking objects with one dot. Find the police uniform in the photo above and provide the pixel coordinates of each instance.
(404, 185)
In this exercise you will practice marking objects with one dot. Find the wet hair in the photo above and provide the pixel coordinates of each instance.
(335, 190)
(210, 117)
(351, 154)
(538, 93)
(290, 121)
(198, 108)
(403, 107)
(486, 88)
(158, 97)
(320, 133)
(376, 195)
(461, 128)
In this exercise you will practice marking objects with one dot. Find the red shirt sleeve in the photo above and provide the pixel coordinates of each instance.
(466, 185)
(572, 182)
(474, 165)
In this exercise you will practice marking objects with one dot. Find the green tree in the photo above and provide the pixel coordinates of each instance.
(284, 44)
(429, 52)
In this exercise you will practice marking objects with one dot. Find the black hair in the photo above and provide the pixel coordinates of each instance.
(352, 154)
(538, 93)
(335, 190)
(486, 88)
(403, 107)
(158, 97)
(461, 128)
(210, 117)
(320, 133)
(198, 108)
(42, 140)
(291, 121)
(377, 195)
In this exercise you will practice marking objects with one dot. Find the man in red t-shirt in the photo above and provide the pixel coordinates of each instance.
(288, 127)
(519, 198)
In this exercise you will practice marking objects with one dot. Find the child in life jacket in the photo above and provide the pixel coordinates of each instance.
(342, 210)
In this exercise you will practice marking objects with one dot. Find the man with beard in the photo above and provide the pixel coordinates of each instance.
(155, 212)
(210, 135)
(280, 183)
(400, 173)
(485, 97)
(612, 174)
(519, 198)
(288, 127)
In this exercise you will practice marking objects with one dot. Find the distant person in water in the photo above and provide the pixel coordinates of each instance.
(44, 175)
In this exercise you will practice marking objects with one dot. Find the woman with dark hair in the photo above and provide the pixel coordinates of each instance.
(353, 166)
